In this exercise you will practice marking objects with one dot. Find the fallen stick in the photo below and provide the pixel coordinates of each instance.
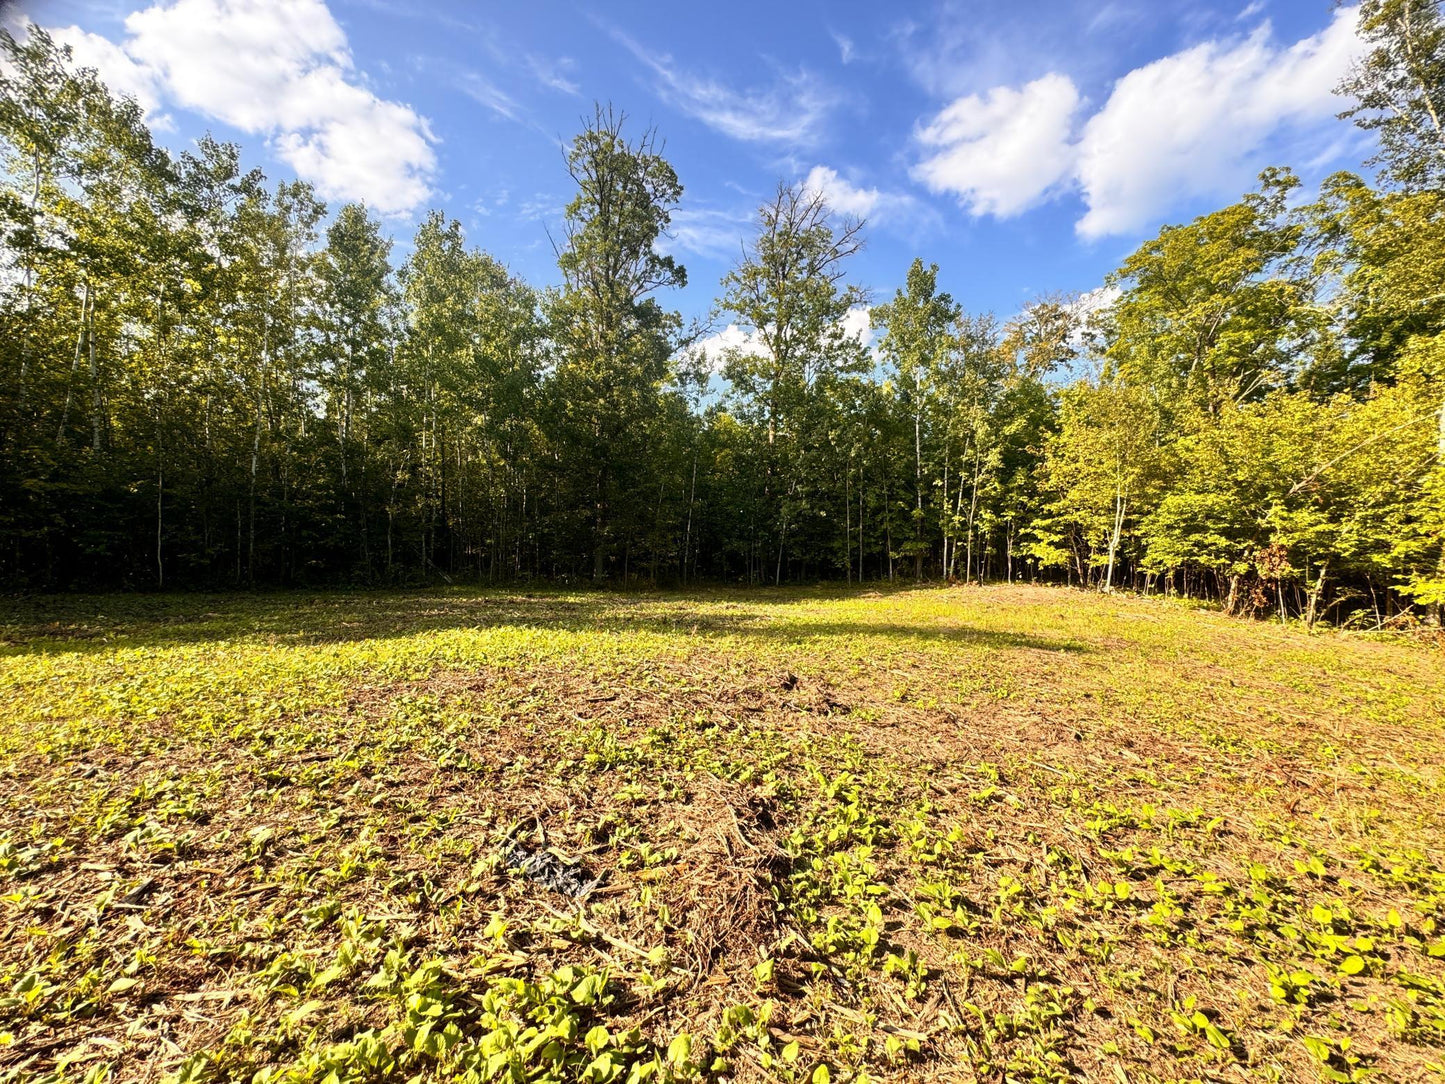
(615, 942)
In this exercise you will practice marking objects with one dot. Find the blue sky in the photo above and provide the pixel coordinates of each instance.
(1025, 147)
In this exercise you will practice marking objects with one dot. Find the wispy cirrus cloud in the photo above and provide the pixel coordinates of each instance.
(484, 92)
(485, 88)
(709, 232)
(793, 109)
(555, 74)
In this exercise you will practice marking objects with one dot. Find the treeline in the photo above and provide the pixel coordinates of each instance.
(206, 382)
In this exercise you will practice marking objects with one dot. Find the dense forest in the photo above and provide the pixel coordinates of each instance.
(208, 381)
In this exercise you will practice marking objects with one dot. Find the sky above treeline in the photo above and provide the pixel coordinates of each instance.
(1026, 148)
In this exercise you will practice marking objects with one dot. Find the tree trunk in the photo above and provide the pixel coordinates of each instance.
(973, 518)
(1312, 613)
(782, 541)
(687, 536)
(22, 397)
(1231, 604)
(888, 525)
(917, 481)
(599, 523)
(160, 521)
(957, 511)
(95, 396)
(74, 365)
(256, 459)
(943, 508)
(1120, 501)
(1437, 610)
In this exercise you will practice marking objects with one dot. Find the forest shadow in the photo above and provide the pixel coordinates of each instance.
(92, 624)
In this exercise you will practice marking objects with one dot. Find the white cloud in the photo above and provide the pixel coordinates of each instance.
(1095, 300)
(1086, 306)
(839, 194)
(733, 340)
(281, 69)
(949, 54)
(542, 206)
(871, 203)
(1193, 124)
(1003, 152)
(857, 323)
(792, 110)
(115, 67)
(483, 92)
(708, 232)
(553, 73)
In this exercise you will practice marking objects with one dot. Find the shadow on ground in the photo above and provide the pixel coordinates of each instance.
(85, 624)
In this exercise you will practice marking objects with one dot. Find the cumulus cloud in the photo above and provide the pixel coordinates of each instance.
(124, 75)
(1088, 305)
(858, 324)
(1193, 123)
(281, 69)
(1190, 124)
(841, 195)
(731, 340)
(1002, 152)
(1096, 300)
(734, 340)
(791, 110)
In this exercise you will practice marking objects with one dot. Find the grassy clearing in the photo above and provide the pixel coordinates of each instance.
(995, 834)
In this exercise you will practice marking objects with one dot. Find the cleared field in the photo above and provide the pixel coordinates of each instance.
(995, 834)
